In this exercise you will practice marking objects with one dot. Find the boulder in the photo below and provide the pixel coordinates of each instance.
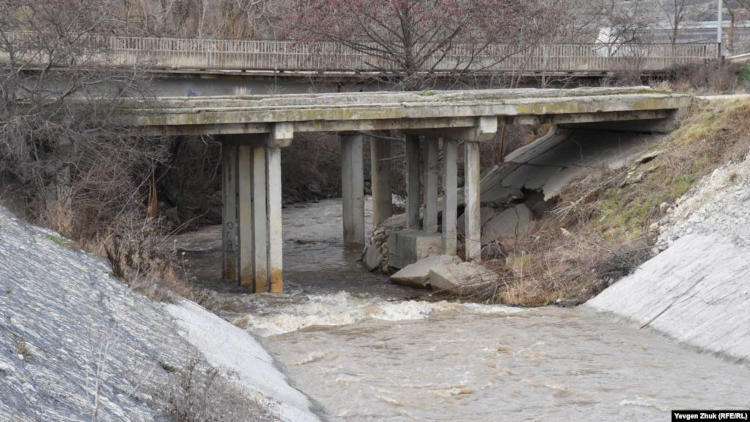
(371, 257)
(461, 278)
(516, 221)
(485, 215)
(417, 274)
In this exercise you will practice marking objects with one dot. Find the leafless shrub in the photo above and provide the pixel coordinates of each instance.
(22, 349)
(137, 251)
(204, 395)
(713, 77)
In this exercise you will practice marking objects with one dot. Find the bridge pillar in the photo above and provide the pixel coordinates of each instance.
(450, 201)
(275, 237)
(245, 211)
(252, 209)
(473, 238)
(353, 189)
(229, 233)
(412, 182)
(260, 220)
(430, 221)
(380, 170)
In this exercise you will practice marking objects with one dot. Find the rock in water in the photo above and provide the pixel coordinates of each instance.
(372, 258)
(417, 274)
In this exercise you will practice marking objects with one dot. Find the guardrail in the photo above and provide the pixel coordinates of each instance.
(245, 55)
(739, 58)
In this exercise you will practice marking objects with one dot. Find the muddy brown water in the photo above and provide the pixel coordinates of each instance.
(366, 349)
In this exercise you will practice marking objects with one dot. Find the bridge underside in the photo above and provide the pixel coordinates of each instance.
(432, 124)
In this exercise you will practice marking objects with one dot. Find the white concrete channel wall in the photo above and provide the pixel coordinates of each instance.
(697, 290)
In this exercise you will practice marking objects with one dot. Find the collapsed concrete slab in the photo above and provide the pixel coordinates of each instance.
(462, 278)
(417, 274)
(511, 223)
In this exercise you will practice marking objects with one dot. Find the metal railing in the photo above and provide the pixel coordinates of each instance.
(237, 55)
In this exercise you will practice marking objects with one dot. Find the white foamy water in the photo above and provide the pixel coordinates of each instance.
(343, 308)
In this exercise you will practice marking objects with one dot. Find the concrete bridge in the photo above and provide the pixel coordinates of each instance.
(254, 129)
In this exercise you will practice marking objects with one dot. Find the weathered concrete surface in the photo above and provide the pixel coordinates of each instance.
(698, 289)
(408, 246)
(352, 189)
(461, 278)
(84, 332)
(404, 110)
(417, 274)
(554, 160)
(450, 198)
(473, 229)
(511, 223)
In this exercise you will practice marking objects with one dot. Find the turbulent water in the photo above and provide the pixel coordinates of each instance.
(368, 350)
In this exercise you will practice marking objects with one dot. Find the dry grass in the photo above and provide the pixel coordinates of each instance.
(204, 395)
(135, 248)
(602, 227)
(711, 77)
(22, 349)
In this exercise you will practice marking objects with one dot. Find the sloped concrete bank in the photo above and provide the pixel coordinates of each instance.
(697, 289)
(76, 344)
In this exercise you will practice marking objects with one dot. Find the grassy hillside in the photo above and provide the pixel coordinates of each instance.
(606, 223)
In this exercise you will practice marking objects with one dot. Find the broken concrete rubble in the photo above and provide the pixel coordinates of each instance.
(416, 274)
(513, 222)
(461, 278)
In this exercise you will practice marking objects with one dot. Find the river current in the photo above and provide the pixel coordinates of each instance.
(366, 349)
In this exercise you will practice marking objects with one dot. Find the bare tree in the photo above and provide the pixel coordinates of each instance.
(674, 11)
(253, 19)
(739, 10)
(59, 143)
(414, 38)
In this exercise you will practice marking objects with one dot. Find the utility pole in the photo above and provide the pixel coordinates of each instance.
(719, 23)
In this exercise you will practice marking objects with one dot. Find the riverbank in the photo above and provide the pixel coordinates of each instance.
(78, 344)
(697, 288)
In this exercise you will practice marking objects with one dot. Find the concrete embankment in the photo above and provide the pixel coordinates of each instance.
(76, 344)
(697, 289)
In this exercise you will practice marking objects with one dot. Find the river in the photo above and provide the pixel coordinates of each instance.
(366, 349)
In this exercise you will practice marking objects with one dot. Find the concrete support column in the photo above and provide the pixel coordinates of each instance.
(260, 220)
(229, 233)
(450, 200)
(275, 237)
(245, 211)
(380, 165)
(473, 239)
(412, 182)
(430, 222)
(353, 189)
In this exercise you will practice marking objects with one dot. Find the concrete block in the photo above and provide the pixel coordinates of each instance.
(416, 274)
(409, 246)
(461, 278)
(516, 221)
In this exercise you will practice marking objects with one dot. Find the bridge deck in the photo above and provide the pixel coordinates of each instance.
(397, 110)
